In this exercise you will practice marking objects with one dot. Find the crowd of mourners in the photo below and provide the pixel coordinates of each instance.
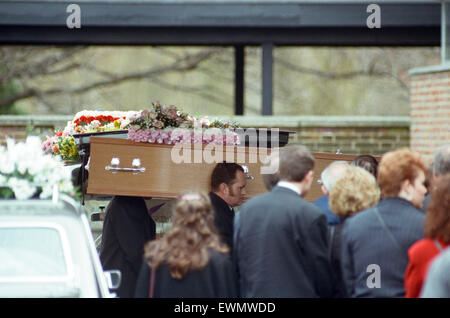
(381, 229)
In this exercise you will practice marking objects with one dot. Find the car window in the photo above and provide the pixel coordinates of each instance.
(31, 252)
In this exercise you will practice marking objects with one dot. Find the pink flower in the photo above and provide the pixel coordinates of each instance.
(158, 124)
(152, 114)
(172, 113)
(154, 133)
(47, 145)
(205, 122)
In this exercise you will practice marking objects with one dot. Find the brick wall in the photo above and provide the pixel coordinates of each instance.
(353, 140)
(352, 135)
(430, 109)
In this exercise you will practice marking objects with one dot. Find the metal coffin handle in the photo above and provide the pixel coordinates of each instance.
(247, 175)
(136, 166)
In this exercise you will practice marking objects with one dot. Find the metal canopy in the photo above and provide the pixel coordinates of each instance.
(237, 23)
(221, 22)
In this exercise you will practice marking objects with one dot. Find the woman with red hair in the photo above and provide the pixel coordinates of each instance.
(375, 241)
(437, 237)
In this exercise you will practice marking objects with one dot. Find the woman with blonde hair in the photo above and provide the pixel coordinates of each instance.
(354, 191)
(189, 260)
(375, 242)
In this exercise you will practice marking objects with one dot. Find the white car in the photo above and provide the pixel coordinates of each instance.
(47, 250)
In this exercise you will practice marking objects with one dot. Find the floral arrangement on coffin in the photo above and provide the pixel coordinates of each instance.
(168, 125)
(63, 143)
(88, 121)
(26, 172)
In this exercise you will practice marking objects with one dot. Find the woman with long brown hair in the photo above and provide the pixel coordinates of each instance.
(189, 260)
(437, 237)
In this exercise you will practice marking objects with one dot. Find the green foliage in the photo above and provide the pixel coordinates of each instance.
(6, 193)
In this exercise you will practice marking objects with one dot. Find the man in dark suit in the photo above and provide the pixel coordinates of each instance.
(227, 191)
(281, 239)
(128, 226)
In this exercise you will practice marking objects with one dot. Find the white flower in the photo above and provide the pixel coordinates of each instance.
(70, 128)
(205, 122)
(47, 192)
(109, 126)
(7, 166)
(3, 180)
(22, 188)
(95, 123)
(38, 170)
(124, 123)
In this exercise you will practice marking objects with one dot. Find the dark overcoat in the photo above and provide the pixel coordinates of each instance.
(223, 219)
(126, 229)
(281, 247)
(216, 280)
(370, 254)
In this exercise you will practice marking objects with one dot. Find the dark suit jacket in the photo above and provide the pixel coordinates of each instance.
(335, 232)
(224, 219)
(426, 202)
(366, 242)
(281, 247)
(126, 229)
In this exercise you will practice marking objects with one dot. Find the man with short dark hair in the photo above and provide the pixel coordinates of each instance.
(228, 183)
(280, 239)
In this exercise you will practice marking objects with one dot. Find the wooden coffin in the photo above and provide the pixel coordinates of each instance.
(322, 160)
(164, 178)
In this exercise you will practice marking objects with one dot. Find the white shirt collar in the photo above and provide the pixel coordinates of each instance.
(289, 185)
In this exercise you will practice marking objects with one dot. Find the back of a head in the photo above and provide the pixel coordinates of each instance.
(366, 162)
(441, 160)
(224, 172)
(437, 220)
(191, 209)
(397, 166)
(185, 246)
(295, 162)
(332, 173)
(271, 179)
(356, 190)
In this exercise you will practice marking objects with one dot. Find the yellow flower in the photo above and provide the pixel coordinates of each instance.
(68, 148)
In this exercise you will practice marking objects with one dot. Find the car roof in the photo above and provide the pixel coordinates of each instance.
(64, 206)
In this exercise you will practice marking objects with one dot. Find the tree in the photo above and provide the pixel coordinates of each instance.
(307, 81)
(38, 71)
